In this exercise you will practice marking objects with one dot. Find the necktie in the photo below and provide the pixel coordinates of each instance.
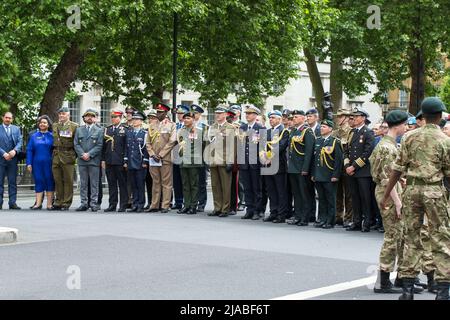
(7, 131)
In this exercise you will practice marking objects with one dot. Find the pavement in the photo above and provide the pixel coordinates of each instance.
(73, 255)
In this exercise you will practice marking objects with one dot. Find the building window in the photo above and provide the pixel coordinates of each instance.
(74, 109)
(187, 103)
(278, 107)
(211, 116)
(404, 99)
(105, 110)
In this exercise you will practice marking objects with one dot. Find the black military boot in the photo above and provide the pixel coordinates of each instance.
(386, 285)
(442, 291)
(398, 283)
(408, 289)
(431, 284)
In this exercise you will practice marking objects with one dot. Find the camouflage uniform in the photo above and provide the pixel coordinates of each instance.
(424, 158)
(381, 161)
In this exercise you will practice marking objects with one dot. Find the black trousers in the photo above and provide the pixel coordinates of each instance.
(177, 186)
(100, 188)
(202, 194)
(149, 186)
(362, 200)
(262, 205)
(376, 215)
(290, 199)
(310, 198)
(327, 202)
(302, 196)
(276, 188)
(138, 186)
(251, 180)
(117, 183)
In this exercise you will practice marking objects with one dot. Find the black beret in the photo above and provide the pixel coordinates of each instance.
(298, 112)
(432, 105)
(396, 117)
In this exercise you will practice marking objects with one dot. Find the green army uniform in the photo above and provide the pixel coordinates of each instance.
(63, 165)
(301, 157)
(221, 162)
(328, 162)
(381, 161)
(424, 158)
(192, 144)
(344, 208)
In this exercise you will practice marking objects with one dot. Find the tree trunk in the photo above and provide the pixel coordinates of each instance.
(335, 84)
(314, 76)
(417, 68)
(60, 80)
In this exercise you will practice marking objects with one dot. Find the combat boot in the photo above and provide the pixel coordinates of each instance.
(386, 285)
(442, 291)
(408, 289)
(431, 284)
(398, 283)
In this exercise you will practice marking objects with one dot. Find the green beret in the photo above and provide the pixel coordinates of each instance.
(396, 117)
(432, 105)
(63, 109)
(328, 123)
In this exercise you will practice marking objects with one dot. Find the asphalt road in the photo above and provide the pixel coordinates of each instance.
(71, 255)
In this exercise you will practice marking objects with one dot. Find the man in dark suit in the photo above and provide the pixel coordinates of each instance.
(301, 154)
(10, 146)
(274, 161)
(249, 166)
(357, 167)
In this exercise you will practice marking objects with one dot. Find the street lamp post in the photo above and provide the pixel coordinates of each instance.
(174, 65)
(385, 105)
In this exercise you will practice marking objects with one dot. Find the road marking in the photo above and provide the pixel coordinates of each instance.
(303, 295)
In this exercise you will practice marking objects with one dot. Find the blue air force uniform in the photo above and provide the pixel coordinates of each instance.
(136, 160)
(39, 156)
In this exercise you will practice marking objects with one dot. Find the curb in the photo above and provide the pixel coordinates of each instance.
(8, 235)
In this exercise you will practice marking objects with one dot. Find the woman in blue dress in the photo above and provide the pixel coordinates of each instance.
(39, 162)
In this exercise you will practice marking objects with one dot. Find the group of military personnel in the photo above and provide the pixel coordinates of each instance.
(288, 163)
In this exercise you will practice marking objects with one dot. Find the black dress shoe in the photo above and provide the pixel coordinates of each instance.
(54, 208)
(64, 209)
(223, 215)
(214, 213)
(353, 228)
(256, 216)
(37, 208)
(279, 220)
(327, 226)
(153, 210)
(247, 215)
(134, 209)
(122, 209)
(110, 209)
(192, 211)
(365, 229)
(95, 209)
(269, 218)
(147, 207)
(319, 224)
(201, 209)
(165, 210)
(140, 210)
(302, 224)
(184, 210)
(232, 213)
(292, 221)
(81, 208)
(14, 207)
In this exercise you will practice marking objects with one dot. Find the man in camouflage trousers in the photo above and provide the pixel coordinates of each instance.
(381, 161)
(424, 158)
